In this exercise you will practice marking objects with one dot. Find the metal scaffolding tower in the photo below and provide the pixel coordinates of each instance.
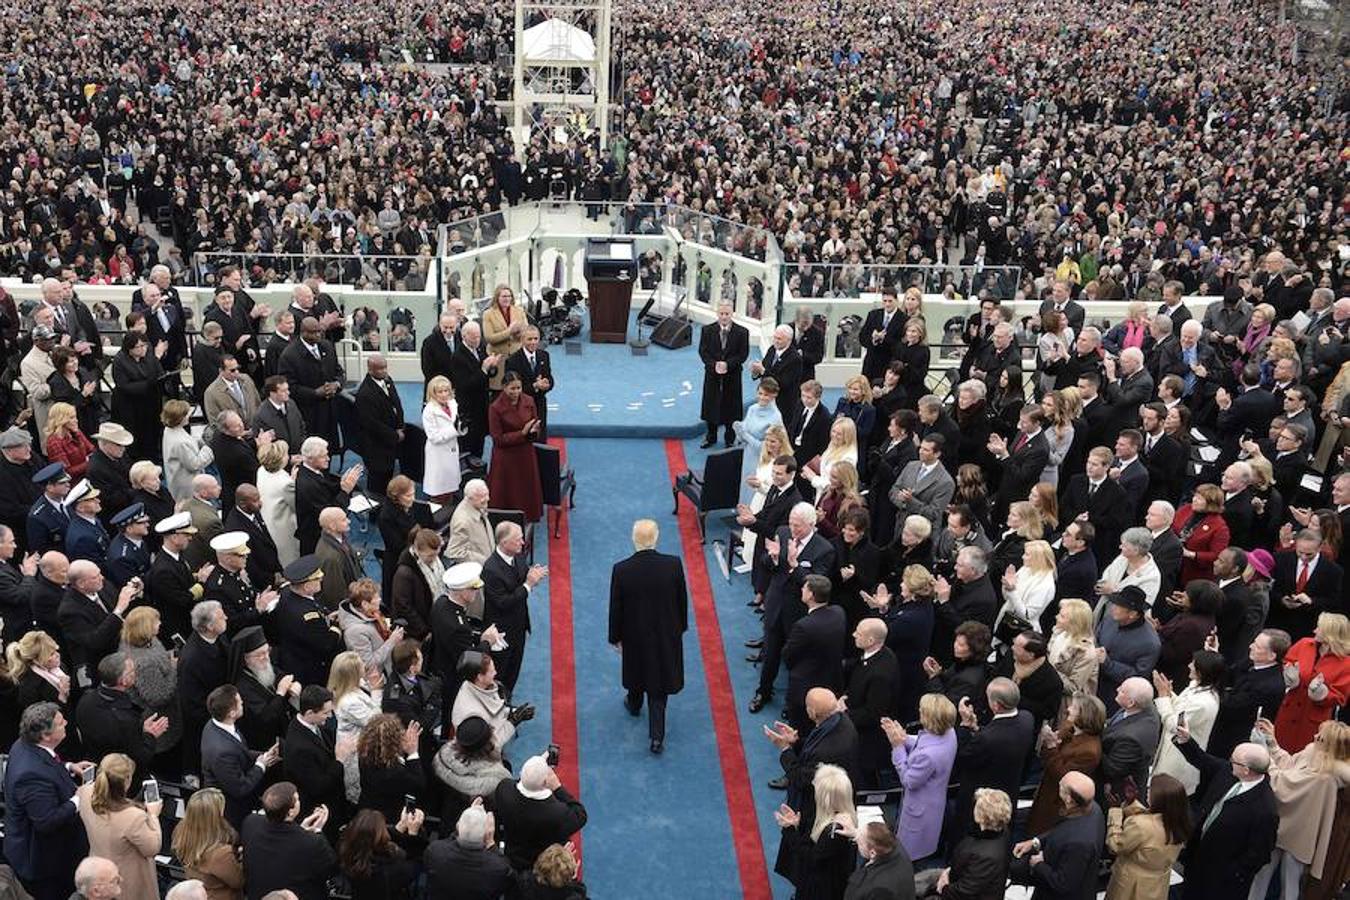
(561, 71)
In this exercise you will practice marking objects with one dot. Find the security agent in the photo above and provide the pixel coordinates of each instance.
(86, 537)
(128, 556)
(48, 518)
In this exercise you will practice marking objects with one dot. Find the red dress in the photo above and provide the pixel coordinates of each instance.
(72, 450)
(513, 473)
(1300, 716)
(1207, 540)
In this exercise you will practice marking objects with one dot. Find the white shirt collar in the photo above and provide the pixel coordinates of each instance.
(510, 560)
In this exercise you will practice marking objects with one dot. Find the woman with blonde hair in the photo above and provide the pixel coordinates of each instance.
(205, 842)
(554, 875)
(147, 488)
(1024, 524)
(843, 447)
(817, 853)
(924, 764)
(1131, 331)
(1307, 785)
(838, 498)
(504, 326)
(856, 404)
(64, 442)
(1072, 648)
(185, 455)
(33, 665)
(1316, 680)
(1062, 409)
(357, 692)
(276, 490)
(156, 687)
(121, 829)
(1250, 346)
(1028, 590)
(440, 420)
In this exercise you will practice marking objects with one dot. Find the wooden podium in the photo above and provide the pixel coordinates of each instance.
(611, 269)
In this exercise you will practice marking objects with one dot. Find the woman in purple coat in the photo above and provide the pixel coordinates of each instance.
(924, 764)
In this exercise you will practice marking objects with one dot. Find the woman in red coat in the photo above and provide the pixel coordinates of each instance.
(1203, 532)
(513, 475)
(65, 442)
(1317, 680)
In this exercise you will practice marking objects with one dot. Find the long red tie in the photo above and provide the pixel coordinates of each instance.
(1302, 584)
(1020, 442)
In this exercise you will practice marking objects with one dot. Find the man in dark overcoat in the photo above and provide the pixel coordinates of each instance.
(648, 614)
(724, 347)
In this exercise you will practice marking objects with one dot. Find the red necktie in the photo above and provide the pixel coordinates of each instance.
(1302, 584)
(1020, 442)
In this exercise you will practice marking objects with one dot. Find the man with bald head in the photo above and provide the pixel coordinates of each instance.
(1062, 862)
(264, 563)
(311, 366)
(91, 614)
(379, 413)
(471, 368)
(832, 739)
(1236, 820)
(336, 556)
(872, 695)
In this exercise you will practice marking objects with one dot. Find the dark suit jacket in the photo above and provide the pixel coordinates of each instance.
(1107, 509)
(455, 870)
(237, 462)
(1134, 481)
(1128, 746)
(1248, 691)
(528, 826)
(88, 633)
(873, 693)
(833, 741)
(782, 600)
(811, 441)
(229, 765)
(1022, 469)
(1166, 554)
(308, 761)
(44, 838)
(1124, 396)
(1071, 850)
(436, 355)
(1325, 589)
(995, 756)
(814, 651)
(306, 375)
(877, 356)
(1076, 576)
(1222, 860)
(1073, 311)
(722, 399)
(505, 599)
(314, 491)
(281, 855)
(1166, 470)
(1241, 519)
(648, 615)
(543, 368)
(289, 427)
(263, 563)
(786, 369)
(380, 416)
(1251, 411)
(110, 722)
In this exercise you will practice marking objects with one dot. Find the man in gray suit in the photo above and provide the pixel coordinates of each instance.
(1130, 740)
(924, 487)
(471, 533)
(231, 391)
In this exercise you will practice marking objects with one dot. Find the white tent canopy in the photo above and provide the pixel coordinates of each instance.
(555, 41)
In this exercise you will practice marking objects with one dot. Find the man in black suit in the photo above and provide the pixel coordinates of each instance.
(778, 502)
(814, 648)
(648, 616)
(1237, 505)
(438, 348)
(44, 837)
(91, 614)
(1023, 461)
(312, 758)
(282, 852)
(164, 316)
(1172, 305)
(110, 721)
(993, 754)
(469, 863)
(783, 363)
(871, 697)
(316, 489)
(305, 640)
(881, 331)
(796, 551)
(933, 419)
(236, 455)
(311, 366)
(1094, 497)
(1305, 585)
(1166, 549)
(809, 429)
(1129, 471)
(1097, 414)
(1062, 862)
(969, 597)
(1236, 820)
(1060, 301)
(1239, 619)
(1086, 357)
(507, 582)
(203, 666)
(282, 337)
(723, 348)
(470, 369)
(832, 740)
(280, 415)
(1130, 739)
(999, 353)
(379, 412)
(531, 363)
(1255, 689)
(1163, 457)
(264, 565)
(1076, 571)
(534, 812)
(1128, 385)
(227, 762)
(1248, 413)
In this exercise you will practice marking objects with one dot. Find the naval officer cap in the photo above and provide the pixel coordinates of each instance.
(82, 491)
(132, 515)
(463, 576)
(178, 523)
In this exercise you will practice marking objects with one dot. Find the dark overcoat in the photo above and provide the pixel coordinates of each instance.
(648, 615)
(723, 399)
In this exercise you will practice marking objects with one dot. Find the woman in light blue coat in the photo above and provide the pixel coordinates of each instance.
(924, 763)
(761, 415)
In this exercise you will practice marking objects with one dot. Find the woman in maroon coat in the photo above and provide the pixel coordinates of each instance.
(513, 475)
(1203, 533)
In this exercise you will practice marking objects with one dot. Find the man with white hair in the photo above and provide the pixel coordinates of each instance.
(471, 534)
(471, 368)
(283, 329)
(164, 317)
(507, 583)
(438, 348)
(796, 552)
(204, 511)
(782, 363)
(73, 319)
(316, 489)
(187, 890)
(535, 811)
(1166, 548)
(97, 878)
(1128, 385)
(1131, 738)
(1238, 512)
(1193, 361)
(468, 863)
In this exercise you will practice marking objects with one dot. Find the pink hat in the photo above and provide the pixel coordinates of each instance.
(1261, 562)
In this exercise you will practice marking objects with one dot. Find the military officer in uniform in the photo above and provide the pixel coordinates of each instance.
(306, 640)
(128, 555)
(229, 584)
(453, 630)
(48, 518)
(86, 537)
(171, 585)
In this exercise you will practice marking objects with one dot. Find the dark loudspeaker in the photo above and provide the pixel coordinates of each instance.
(672, 334)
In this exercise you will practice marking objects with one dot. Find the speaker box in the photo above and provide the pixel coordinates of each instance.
(673, 334)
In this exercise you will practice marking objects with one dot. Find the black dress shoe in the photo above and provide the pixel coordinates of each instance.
(755, 644)
(657, 747)
(707, 442)
(780, 783)
(758, 701)
(633, 708)
(754, 657)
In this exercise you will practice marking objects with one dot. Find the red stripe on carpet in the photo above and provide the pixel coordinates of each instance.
(735, 776)
(561, 649)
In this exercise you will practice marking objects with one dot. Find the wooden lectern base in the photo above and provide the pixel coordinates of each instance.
(610, 302)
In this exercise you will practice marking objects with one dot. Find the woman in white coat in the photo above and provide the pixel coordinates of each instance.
(185, 456)
(276, 489)
(440, 420)
(1028, 591)
(1199, 703)
(357, 693)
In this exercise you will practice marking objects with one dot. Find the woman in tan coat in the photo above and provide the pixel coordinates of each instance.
(503, 329)
(1146, 842)
(205, 844)
(1075, 747)
(1306, 787)
(120, 829)
(1072, 649)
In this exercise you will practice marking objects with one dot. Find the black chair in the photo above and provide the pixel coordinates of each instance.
(412, 452)
(497, 516)
(558, 484)
(349, 428)
(718, 487)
